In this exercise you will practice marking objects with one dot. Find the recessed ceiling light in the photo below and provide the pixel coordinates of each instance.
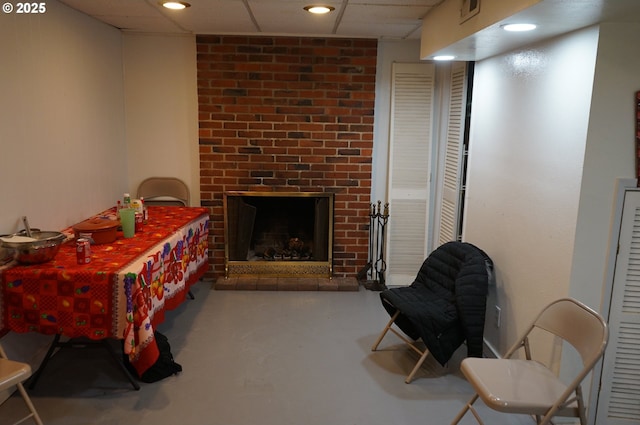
(443, 58)
(519, 27)
(175, 5)
(319, 9)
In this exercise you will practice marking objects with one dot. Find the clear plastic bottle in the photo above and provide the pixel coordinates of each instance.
(126, 201)
(145, 212)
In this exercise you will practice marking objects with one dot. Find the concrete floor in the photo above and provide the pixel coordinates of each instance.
(262, 358)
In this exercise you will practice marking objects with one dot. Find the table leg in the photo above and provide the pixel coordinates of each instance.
(36, 376)
(75, 344)
(120, 364)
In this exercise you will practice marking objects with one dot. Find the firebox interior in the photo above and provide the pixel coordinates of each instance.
(278, 234)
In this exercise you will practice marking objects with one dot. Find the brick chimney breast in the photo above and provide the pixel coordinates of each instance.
(288, 114)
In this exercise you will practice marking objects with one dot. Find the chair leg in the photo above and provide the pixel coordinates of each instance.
(465, 409)
(425, 353)
(385, 330)
(32, 409)
(581, 406)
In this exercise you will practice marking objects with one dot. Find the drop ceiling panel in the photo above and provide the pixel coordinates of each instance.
(392, 22)
(141, 23)
(289, 17)
(113, 7)
(133, 15)
(214, 17)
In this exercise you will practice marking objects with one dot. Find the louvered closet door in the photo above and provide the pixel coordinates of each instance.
(619, 399)
(409, 170)
(451, 190)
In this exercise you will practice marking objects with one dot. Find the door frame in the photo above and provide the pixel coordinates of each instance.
(623, 186)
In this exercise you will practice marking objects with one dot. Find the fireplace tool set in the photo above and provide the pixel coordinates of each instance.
(372, 275)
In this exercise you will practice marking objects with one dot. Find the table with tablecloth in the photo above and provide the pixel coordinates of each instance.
(123, 292)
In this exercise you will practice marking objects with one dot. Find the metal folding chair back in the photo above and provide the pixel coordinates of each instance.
(13, 374)
(527, 386)
(164, 191)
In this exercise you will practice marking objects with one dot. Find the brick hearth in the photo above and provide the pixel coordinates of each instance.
(288, 114)
(287, 284)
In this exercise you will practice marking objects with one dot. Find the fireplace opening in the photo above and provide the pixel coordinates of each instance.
(278, 234)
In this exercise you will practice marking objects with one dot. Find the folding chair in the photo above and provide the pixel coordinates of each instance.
(164, 191)
(444, 306)
(12, 374)
(526, 386)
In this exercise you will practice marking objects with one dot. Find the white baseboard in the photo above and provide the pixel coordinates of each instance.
(489, 350)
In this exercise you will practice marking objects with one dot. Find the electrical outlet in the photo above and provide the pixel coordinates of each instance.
(496, 316)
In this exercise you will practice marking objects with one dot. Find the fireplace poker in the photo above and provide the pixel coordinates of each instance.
(377, 232)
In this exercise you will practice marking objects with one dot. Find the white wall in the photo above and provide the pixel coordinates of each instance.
(68, 150)
(530, 114)
(63, 155)
(161, 104)
(62, 135)
(610, 154)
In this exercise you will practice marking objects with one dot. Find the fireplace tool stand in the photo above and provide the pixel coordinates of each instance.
(372, 275)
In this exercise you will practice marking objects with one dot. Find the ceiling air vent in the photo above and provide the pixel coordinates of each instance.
(469, 8)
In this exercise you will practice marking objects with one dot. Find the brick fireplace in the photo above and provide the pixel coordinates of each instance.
(288, 114)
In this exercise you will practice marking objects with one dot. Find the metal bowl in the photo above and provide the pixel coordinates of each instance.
(43, 249)
(6, 255)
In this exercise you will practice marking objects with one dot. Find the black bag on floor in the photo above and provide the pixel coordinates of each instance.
(164, 367)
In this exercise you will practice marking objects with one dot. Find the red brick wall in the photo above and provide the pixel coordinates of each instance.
(289, 114)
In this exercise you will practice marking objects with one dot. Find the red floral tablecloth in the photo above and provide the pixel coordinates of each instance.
(122, 293)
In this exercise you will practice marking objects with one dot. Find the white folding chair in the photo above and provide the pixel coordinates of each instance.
(526, 386)
(13, 374)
